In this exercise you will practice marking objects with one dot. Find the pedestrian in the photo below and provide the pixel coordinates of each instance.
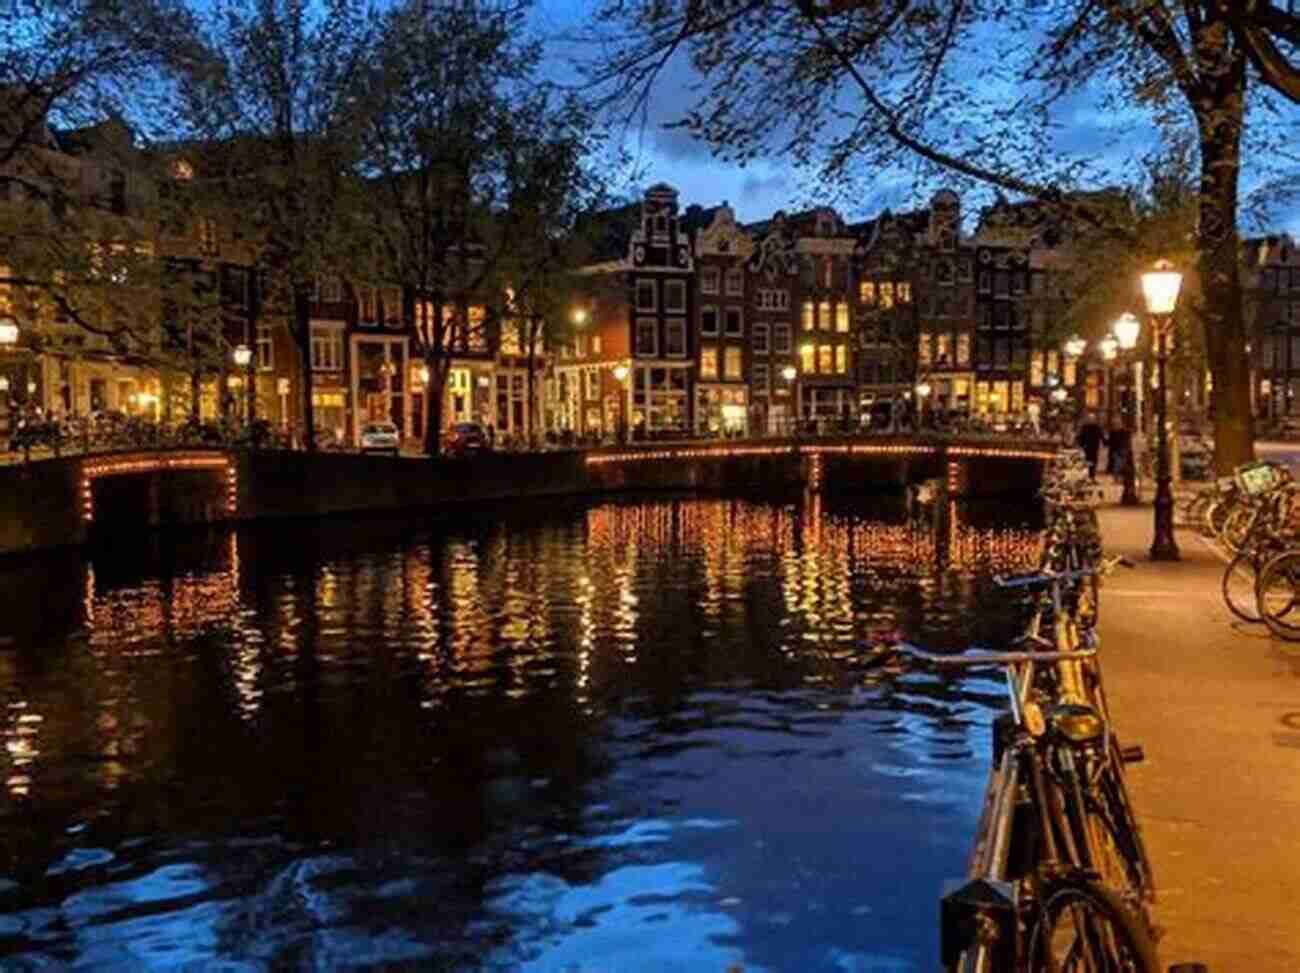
(1090, 439)
(1119, 443)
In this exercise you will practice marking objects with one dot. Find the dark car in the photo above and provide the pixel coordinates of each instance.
(466, 437)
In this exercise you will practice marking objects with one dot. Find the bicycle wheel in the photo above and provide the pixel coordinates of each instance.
(1115, 842)
(1239, 587)
(1278, 595)
(1083, 927)
(1236, 528)
(1215, 515)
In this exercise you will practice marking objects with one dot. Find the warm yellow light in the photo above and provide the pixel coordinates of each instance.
(620, 373)
(923, 389)
(1160, 287)
(242, 355)
(1109, 347)
(1126, 328)
(788, 373)
(579, 316)
(8, 332)
(1075, 346)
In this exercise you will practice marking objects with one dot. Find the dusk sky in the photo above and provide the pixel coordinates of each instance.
(757, 190)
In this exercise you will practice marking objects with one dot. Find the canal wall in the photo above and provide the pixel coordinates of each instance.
(72, 500)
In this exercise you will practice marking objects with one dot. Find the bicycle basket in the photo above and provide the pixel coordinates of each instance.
(1256, 479)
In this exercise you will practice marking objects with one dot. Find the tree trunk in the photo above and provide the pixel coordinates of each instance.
(1220, 277)
(302, 334)
(530, 422)
(437, 393)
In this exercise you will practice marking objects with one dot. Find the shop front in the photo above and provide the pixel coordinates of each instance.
(659, 399)
(381, 383)
(721, 410)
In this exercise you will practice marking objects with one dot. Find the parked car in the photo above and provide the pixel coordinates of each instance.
(380, 437)
(466, 437)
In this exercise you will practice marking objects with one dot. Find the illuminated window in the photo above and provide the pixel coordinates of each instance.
(1069, 373)
(903, 292)
(923, 348)
(1017, 396)
(824, 314)
(809, 316)
(1036, 368)
(734, 363)
(942, 349)
(841, 359)
(1052, 359)
(867, 292)
(842, 318)
(808, 358)
(826, 272)
(886, 294)
(963, 349)
(326, 349)
(708, 362)
(826, 359)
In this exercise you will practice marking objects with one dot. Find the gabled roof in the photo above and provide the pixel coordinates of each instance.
(608, 232)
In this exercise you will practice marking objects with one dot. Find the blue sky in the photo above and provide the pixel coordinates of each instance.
(757, 190)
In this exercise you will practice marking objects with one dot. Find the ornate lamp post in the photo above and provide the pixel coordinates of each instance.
(1160, 287)
(620, 376)
(790, 373)
(243, 358)
(1126, 329)
(923, 391)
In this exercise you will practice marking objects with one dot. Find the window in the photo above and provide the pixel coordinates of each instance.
(1000, 283)
(770, 300)
(808, 358)
(736, 282)
(942, 349)
(734, 363)
(809, 316)
(735, 322)
(1052, 360)
(923, 348)
(265, 352)
(708, 362)
(331, 290)
(365, 303)
(1070, 375)
(647, 337)
(886, 294)
(903, 291)
(867, 292)
(824, 316)
(674, 295)
(842, 318)
(826, 359)
(760, 339)
(963, 349)
(759, 379)
(592, 382)
(1036, 367)
(392, 299)
(781, 338)
(675, 338)
(827, 270)
(645, 295)
(986, 282)
(595, 344)
(709, 280)
(841, 359)
(709, 319)
(326, 349)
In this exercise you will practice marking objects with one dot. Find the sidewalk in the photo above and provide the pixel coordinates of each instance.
(1216, 705)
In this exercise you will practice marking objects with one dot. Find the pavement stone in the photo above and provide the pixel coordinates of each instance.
(1215, 703)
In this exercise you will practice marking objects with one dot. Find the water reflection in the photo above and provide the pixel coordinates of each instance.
(629, 736)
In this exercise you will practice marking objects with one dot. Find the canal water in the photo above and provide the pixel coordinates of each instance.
(631, 736)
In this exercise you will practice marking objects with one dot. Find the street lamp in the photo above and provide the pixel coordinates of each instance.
(922, 393)
(620, 376)
(1125, 335)
(1160, 287)
(1075, 346)
(790, 373)
(8, 333)
(579, 316)
(243, 358)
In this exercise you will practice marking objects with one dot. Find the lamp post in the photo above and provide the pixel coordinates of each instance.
(620, 376)
(922, 395)
(243, 358)
(1125, 330)
(1160, 287)
(790, 373)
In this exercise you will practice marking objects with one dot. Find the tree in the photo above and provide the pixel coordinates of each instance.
(471, 163)
(854, 86)
(269, 114)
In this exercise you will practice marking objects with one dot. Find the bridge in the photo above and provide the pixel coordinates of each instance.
(74, 499)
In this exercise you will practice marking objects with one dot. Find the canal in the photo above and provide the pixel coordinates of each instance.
(627, 736)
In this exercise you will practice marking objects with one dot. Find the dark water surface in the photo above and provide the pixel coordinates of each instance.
(619, 737)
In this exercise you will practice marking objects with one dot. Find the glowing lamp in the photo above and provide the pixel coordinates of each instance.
(923, 389)
(422, 374)
(484, 381)
(620, 373)
(788, 373)
(1109, 347)
(1059, 395)
(1075, 346)
(4, 383)
(8, 332)
(1160, 287)
(579, 316)
(242, 355)
(1126, 328)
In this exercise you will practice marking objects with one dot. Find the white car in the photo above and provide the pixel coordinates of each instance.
(380, 437)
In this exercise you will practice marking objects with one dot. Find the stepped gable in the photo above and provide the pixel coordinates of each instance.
(774, 248)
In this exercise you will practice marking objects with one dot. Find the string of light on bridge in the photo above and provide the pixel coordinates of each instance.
(876, 449)
(123, 466)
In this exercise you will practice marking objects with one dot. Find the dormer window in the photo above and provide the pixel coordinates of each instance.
(660, 224)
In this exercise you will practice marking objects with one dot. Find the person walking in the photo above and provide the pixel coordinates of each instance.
(1090, 439)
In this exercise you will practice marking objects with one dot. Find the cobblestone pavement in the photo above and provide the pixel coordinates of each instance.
(1216, 705)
